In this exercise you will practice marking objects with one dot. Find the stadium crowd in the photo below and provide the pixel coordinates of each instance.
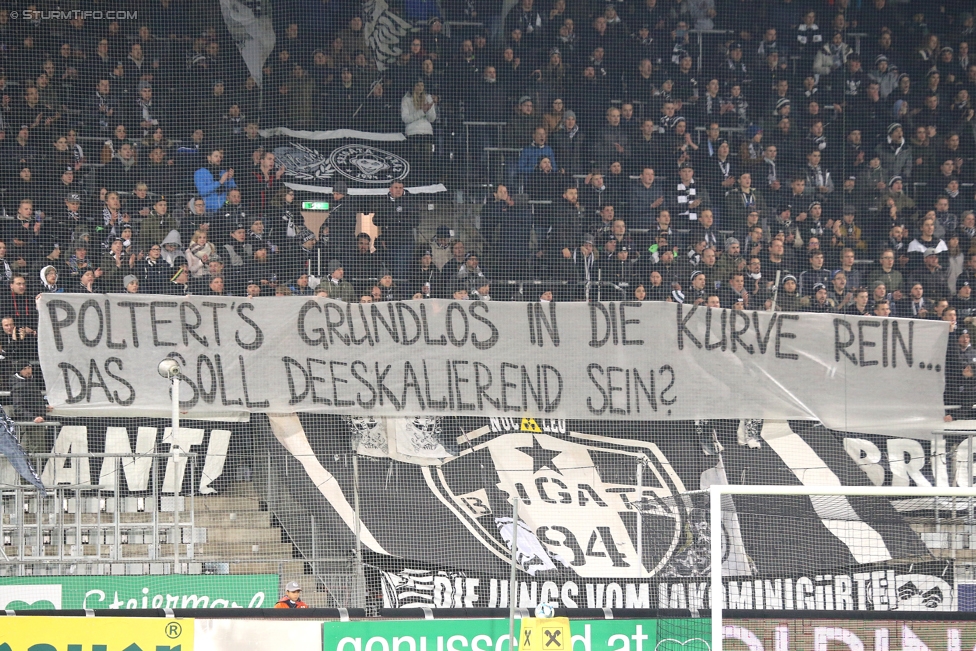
(813, 155)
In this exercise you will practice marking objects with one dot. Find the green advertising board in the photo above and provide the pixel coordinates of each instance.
(147, 591)
(773, 634)
(492, 635)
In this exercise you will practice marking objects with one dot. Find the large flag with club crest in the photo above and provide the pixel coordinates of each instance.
(612, 514)
(367, 162)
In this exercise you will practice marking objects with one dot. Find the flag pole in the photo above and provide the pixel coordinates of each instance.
(511, 579)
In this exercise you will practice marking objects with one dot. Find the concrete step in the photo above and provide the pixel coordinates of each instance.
(284, 568)
(966, 555)
(944, 527)
(235, 535)
(223, 503)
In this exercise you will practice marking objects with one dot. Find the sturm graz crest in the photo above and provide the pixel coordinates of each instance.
(368, 164)
(595, 506)
(359, 163)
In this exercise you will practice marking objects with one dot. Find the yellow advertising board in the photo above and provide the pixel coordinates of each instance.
(550, 634)
(98, 633)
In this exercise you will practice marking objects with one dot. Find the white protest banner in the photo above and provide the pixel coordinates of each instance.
(627, 360)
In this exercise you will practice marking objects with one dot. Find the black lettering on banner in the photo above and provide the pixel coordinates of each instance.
(303, 332)
(90, 304)
(595, 327)
(763, 341)
(337, 381)
(431, 403)
(458, 381)
(333, 326)
(456, 341)
(384, 391)
(482, 344)
(906, 351)
(450, 386)
(95, 379)
(352, 326)
(736, 335)
(312, 379)
(840, 348)
(481, 390)
(216, 319)
(58, 324)
(187, 403)
(648, 391)
(132, 305)
(113, 345)
(156, 321)
(667, 369)
(404, 339)
(122, 402)
(624, 322)
(440, 341)
(721, 343)
(599, 386)
(530, 317)
(258, 334)
(294, 397)
(884, 342)
(552, 403)
(785, 335)
(550, 325)
(66, 371)
(528, 388)
(863, 343)
(611, 388)
(190, 329)
(222, 383)
(683, 330)
(613, 322)
(410, 380)
(390, 326)
(508, 385)
(250, 404)
(208, 396)
(365, 404)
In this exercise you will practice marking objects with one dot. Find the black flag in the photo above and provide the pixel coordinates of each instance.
(10, 447)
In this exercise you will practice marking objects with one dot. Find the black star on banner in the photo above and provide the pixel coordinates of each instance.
(541, 457)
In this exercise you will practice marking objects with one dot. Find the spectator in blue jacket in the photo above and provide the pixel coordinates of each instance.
(536, 151)
(213, 183)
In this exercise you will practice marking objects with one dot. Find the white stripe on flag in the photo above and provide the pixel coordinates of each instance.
(417, 189)
(334, 134)
(836, 513)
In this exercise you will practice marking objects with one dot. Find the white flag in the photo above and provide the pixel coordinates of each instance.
(383, 30)
(249, 23)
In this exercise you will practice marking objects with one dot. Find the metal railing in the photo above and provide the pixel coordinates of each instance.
(79, 519)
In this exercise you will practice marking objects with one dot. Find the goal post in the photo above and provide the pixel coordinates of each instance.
(718, 491)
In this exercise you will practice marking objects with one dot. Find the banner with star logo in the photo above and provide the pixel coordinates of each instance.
(609, 512)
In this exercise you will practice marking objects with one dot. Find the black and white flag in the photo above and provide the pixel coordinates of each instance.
(601, 501)
(368, 162)
(11, 449)
(382, 30)
(249, 23)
